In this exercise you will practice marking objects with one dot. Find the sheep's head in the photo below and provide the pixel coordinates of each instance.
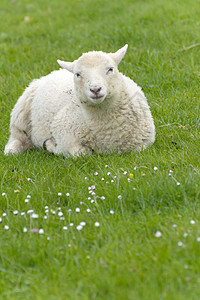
(95, 75)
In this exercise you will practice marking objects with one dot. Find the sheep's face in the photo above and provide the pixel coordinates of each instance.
(95, 75)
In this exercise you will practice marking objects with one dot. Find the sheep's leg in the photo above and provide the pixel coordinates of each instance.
(50, 145)
(20, 125)
(18, 142)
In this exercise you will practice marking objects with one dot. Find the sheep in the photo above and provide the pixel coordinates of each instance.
(85, 106)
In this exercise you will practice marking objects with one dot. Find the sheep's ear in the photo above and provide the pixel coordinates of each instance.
(117, 56)
(66, 65)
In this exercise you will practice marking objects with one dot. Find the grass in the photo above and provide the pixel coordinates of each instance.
(122, 258)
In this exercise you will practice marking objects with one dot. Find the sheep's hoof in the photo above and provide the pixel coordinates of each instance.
(49, 145)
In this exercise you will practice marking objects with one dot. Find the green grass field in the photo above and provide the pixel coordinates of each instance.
(141, 233)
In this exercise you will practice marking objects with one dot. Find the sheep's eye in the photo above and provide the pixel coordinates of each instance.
(110, 70)
(78, 75)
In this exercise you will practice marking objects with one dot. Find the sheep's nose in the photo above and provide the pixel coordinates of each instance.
(95, 90)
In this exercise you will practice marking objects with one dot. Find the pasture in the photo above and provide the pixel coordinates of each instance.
(113, 226)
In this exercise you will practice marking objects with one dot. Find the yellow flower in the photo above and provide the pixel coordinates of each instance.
(131, 175)
(143, 174)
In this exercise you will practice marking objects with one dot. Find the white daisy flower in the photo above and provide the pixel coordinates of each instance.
(79, 227)
(158, 234)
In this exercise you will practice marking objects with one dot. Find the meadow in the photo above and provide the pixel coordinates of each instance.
(111, 227)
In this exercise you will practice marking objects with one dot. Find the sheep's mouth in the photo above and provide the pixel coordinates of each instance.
(97, 99)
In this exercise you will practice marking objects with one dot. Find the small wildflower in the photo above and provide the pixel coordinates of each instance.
(102, 179)
(25, 229)
(125, 173)
(115, 177)
(62, 218)
(4, 214)
(112, 181)
(81, 203)
(16, 191)
(59, 194)
(48, 238)
(185, 234)
(64, 227)
(6, 227)
(129, 179)
(93, 187)
(26, 19)
(60, 214)
(89, 188)
(158, 234)
(0, 220)
(69, 245)
(4, 194)
(174, 226)
(29, 179)
(88, 210)
(89, 198)
(178, 183)
(71, 224)
(96, 173)
(30, 211)
(34, 216)
(198, 239)
(112, 212)
(15, 212)
(28, 196)
(108, 173)
(192, 222)
(45, 217)
(26, 200)
(34, 230)
(79, 227)
(77, 210)
(170, 171)
(46, 207)
(69, 210)
(131, 175)
(93, 193)
(46, 211)
(96, 224)
(106, 166)
(92, 201)
(119, 197)
(22, 213)
(143, 174)
(103, 198)
(52, 211)
(41, 231)
(86, 178)
(82, 223)
(67, 194)
(155, 168)
(180, 244)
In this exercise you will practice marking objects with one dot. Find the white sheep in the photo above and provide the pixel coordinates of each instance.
(87, 106)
